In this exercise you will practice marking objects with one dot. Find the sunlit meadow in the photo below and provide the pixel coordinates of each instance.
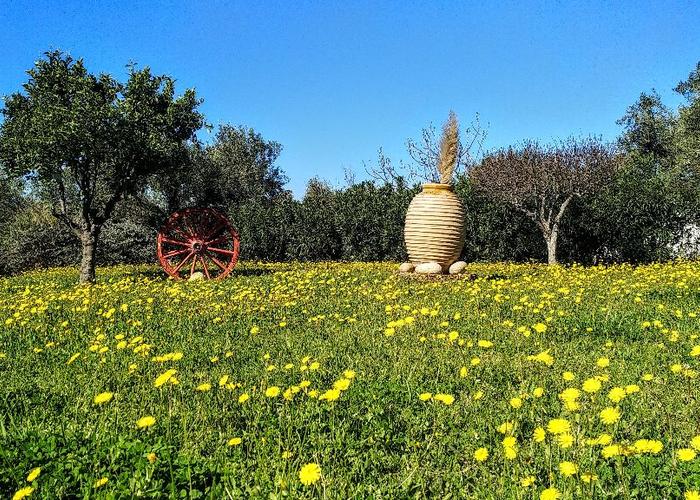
(348, 380)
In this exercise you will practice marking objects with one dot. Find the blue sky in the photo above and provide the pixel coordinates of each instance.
(334, 81)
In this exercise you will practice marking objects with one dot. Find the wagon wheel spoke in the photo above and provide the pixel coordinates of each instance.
(181, 232)
(221, 250)
(204, 265)
(175, 253)
(175, 242)
(184, 219)
(182, 262)
(194, 263)
(216, 261)
(217, 228)
(220, 239)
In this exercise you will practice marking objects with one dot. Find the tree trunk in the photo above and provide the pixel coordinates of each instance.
(551, 247)
(89, 239)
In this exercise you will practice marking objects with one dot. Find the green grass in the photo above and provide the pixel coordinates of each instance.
(378, 439)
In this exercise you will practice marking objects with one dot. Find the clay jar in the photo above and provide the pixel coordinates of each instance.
(434, 230)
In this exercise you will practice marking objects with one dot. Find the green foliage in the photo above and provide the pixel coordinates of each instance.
(370, 221)
(88, 141)
(689, 120)
(32, 238)
(238, 167)
(495, 230)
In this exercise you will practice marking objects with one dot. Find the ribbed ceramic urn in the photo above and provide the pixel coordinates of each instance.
(435, 229)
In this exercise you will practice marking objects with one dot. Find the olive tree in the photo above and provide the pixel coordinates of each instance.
(87, 141)
(541, 181)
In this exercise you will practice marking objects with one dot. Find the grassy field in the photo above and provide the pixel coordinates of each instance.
(513, 381)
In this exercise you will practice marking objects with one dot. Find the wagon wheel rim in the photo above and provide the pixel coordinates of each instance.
(198, 240)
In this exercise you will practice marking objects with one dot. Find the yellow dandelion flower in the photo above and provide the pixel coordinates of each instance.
(539, 434)
(527, 481)
(481, 454)
(591, 385)
(103, 397)
(568, 468)
(506, 427)
(100, 482)
(22, 493)
(235, 441)
(33, 474)
(509, 442)
(543, 357)
(559, 426)
(686, 454)
(272, 392)
(330, 395)
(243, 398)
(425, 396)
(617, 394)
(695, 443)
(588, 477)
(569, 395)
(565, 440)
(446, 399)
(146, 421)
(309, 474)
(342, 384)
(611, 450)
(164, 377)
(609, 415)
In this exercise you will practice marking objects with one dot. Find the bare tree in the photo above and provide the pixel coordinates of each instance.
(541, 181)
(425, 154)
(385, 172)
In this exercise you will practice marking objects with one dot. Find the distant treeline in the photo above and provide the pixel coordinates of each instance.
(644, 213)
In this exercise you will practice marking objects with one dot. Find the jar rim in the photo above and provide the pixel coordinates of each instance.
(437, 185)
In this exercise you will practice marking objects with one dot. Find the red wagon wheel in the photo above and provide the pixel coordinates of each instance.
(198, 240)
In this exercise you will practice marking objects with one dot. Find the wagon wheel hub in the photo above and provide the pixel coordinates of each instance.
(198, 247)
(198, 240)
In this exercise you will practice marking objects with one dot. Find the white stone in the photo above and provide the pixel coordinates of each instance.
(406, 267)
(196, 276)
(457, 267)
(429, 268)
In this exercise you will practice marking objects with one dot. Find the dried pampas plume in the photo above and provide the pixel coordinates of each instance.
(449, 149)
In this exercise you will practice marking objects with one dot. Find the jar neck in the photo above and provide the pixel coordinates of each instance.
(437, 188)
